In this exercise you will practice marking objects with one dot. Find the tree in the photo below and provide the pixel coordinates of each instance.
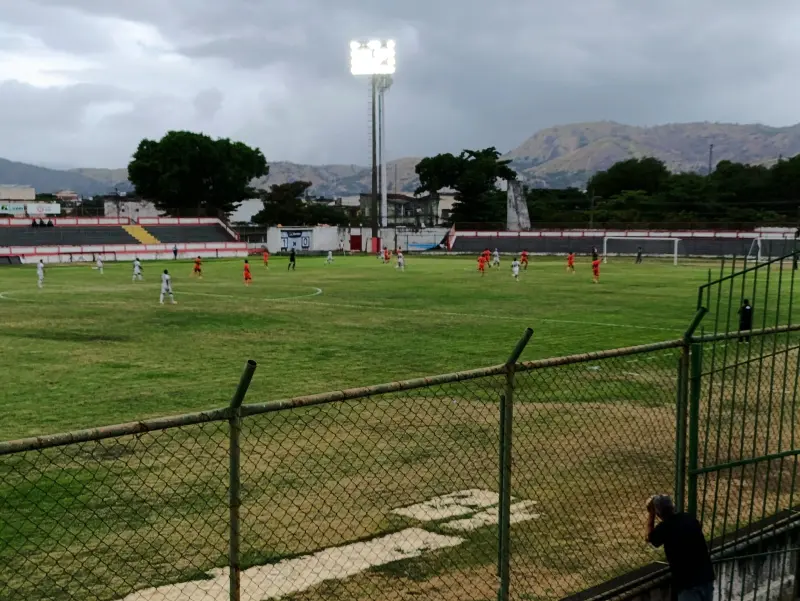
(187, 173)
(473, 175)
(288, 204)
(649, 175)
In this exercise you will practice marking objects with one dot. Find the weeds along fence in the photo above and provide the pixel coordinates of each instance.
(528, 479)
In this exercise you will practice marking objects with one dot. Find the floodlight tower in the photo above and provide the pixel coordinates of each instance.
(376, 58)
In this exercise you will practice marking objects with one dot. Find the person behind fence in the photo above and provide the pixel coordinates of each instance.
(745, 319)
(685, 547)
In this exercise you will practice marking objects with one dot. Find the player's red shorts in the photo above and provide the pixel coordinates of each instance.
(197, 269)
(247, 277)
(596, 272)
(524, 260)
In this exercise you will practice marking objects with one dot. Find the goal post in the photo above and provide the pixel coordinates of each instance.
(640, 240)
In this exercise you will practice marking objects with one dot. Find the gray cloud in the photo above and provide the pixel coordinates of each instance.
(470, 73)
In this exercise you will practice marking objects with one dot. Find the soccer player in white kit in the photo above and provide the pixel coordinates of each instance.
(401, 261)
(137, 270)
(496, 258)
(40, 273)
(515, 269)
(329, 260)
(166, 287)
(99, 264)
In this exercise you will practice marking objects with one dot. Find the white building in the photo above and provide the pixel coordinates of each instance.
(13, 192)
(133, 209)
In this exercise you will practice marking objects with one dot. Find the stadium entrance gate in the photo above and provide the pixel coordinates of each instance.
(739, 423)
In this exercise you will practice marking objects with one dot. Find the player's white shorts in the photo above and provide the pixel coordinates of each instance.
(515, 272)
(137, 272)
(166, 290)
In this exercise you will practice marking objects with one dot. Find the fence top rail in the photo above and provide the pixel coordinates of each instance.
(369, 391)
(116, 431)
(594, 356)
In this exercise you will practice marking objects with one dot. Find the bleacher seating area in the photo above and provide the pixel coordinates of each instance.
(65, 236)
(116, 239)
(170, 234)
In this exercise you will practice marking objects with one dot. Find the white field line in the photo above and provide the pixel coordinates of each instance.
(302, 573)
(519, 513)
(448, 506)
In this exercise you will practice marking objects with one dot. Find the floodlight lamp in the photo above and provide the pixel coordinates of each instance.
(372, 58)
(390, 44)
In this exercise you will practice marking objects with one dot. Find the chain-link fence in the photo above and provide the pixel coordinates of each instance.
(524, 478)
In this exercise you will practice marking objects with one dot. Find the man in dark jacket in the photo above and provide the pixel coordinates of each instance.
(685, 546)
(745, 319)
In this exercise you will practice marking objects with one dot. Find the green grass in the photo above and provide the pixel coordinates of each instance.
(100, 520)
(89, 350)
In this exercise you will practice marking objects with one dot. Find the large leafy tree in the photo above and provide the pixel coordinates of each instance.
(473, 175)
(186, 173)
(288, 204)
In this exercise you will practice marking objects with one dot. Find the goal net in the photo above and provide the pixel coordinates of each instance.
(630, 246)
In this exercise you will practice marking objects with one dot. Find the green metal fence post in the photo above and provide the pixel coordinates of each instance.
(234, 488)
(694, 424)
(504, 511)
(682, 409)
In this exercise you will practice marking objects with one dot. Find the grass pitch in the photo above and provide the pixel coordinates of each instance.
(93, 349)
(101, 520)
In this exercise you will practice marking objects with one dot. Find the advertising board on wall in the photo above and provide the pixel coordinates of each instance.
(34, 209)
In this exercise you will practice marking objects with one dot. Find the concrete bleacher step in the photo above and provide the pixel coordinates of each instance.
(141, 234)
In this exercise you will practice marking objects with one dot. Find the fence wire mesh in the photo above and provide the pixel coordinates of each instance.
(102, 519)
(592, 441)
(375, 497)
(393, 492)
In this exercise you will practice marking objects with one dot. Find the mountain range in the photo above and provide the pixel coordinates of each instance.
(560, 156)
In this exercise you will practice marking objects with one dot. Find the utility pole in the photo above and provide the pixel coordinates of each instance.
(710, 157)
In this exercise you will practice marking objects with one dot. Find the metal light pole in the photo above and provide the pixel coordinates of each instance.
(374, 210)
(376, 59)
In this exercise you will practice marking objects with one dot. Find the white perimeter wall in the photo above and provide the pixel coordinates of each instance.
(325, 238)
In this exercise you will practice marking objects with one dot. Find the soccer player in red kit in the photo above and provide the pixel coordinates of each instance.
(571, 262)
(387, 255)
(198, 267)
(482, 264)
(524, 260)
(265, 254)
(596, 270)
(248, 277)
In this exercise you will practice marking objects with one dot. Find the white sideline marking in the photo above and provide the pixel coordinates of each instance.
(448, 506)
(489, 517)
(300, 574)
(317, 292)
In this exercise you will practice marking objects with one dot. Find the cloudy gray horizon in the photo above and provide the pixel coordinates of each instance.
(83, 81)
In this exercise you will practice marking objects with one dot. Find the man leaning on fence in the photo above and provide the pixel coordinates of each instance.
(685, 547)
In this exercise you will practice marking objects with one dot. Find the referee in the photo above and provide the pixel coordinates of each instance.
(292, 260)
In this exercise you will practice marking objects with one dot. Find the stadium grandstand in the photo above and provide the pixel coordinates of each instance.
(66, 240)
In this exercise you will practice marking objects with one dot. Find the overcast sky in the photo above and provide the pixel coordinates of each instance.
(82, 81)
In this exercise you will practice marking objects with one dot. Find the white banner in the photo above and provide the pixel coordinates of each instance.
(44, 208)
(12, 208)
